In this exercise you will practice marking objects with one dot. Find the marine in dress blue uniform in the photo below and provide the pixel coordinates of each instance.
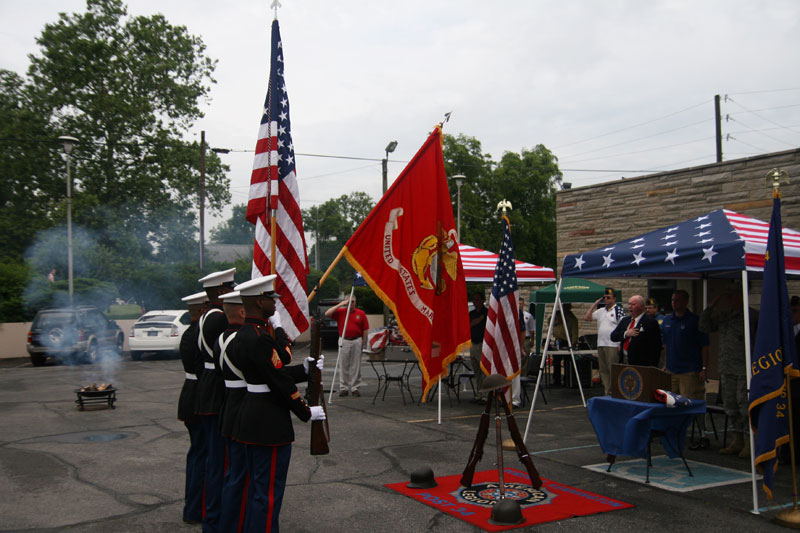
(196, 456)
(264, 422)
(211, 392)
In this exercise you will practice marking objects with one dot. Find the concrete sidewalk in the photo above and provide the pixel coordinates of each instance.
(123, 469)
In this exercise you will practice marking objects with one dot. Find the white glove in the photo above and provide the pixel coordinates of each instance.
(275, 321)
(309, 360)
(317, 413)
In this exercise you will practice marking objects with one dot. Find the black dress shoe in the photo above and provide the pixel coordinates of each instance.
(190, 521)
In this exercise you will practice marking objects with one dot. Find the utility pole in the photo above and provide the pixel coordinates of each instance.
(718, 121)
(202, 194)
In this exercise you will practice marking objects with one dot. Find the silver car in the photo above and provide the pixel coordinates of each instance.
(158, 331)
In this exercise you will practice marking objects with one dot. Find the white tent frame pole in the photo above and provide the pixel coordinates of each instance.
(571, 351)
(341, 339)
(544, 359)
(748, 356)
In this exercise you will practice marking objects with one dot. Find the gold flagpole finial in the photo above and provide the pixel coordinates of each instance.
(504, 206)
(775, 178)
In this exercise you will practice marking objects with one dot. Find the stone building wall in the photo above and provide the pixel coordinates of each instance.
(593, 216)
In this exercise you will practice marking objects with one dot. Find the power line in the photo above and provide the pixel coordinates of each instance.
(637, 139)
(631, 127)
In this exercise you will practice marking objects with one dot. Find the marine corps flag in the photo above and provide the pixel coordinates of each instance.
(774, 357)
(407, 251)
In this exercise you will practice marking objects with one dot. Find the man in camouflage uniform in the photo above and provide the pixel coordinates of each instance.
(724, 314)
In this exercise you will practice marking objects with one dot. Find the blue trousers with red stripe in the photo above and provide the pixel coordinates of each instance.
(195, 474)
(234, 487)
(268, 467)
(215, 469)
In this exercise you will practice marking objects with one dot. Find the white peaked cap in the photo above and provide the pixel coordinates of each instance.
(259, 286)
(196, 298)
(232, 297)
(216, 279)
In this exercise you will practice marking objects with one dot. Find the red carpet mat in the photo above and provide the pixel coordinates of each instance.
(553, 501)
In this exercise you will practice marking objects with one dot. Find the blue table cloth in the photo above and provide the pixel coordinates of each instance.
(623, 427)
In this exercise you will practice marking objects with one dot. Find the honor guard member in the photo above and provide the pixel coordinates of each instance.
(211, 391)
(196, 456)
(264, 422)
(234, 481)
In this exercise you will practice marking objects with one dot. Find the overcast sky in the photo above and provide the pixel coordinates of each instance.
(613, 88)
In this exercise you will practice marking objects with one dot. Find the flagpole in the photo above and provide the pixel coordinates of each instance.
(339, 353)
(326, 274)
(748, 358)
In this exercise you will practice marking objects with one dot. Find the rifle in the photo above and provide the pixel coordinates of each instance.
(320, 432)
(477, 449)
(522, 451)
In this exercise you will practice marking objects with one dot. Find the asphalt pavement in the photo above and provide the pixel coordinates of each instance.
(122, 469)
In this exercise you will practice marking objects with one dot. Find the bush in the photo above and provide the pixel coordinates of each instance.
(15, 278)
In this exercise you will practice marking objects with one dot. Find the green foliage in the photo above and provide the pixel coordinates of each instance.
(330, 289)
(15, 278)
(125, 311)
(40, 293)
(129, 88)
(368, 301)
(332, 224)
(33, 184)
(235, 230)
(528, 179)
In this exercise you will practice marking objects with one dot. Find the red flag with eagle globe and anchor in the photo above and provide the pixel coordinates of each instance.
(407, 251)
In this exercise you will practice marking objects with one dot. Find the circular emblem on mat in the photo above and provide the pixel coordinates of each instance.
(630, 383)
(489, 494)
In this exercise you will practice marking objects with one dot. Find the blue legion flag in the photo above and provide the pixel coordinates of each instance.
(773, 358)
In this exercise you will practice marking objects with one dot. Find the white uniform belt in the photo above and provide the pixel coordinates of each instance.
(257, 388)
(190, 376)
(209, 366)
(236, 383)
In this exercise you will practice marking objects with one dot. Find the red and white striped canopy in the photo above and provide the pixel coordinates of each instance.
(754, 234)
(479, 266)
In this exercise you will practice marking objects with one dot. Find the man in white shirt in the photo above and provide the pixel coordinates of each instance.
(607, 316)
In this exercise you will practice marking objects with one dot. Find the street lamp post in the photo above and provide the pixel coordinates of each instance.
(459, 182)
(68, 142)
(389, 149)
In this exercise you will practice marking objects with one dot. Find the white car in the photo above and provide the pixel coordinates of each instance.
(158, 331)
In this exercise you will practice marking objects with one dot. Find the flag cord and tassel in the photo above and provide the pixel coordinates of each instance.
(790, 517)
(325, 275)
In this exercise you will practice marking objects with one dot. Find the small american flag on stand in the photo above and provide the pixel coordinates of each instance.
(501, 342)
(274, 176)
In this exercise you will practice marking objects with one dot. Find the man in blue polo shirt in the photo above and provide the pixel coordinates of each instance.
(686, 355)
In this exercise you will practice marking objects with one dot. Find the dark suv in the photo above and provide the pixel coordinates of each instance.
(78, 333)
(328, 330)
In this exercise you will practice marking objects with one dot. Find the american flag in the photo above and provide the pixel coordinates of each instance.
(501, 342)
(274, 176)
(718, 241)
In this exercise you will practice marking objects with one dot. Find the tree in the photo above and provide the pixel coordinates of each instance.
(128, 88)
(33, 184)
(332, 224)
(528, 179)
(235, 230)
